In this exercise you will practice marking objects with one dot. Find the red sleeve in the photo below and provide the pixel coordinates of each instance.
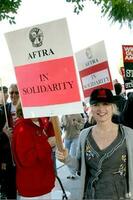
(28, 147)
(50, 130)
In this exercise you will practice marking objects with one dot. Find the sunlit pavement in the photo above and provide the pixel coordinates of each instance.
(71, 186)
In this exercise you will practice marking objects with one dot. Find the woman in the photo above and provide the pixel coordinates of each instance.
(32, 150)
(104, 155)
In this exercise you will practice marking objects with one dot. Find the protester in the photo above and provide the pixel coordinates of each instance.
(120, 102)
(11, 107)
(8, 118)
(71, 125)
(105, 153)
(46, 123)
(32, 151)
(3, 95)
(127, 113)
(7, 169)
(9, 110)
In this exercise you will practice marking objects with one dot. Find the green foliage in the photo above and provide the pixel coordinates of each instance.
(7, 10)
(116, 10)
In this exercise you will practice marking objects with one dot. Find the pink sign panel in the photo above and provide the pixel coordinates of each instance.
(97, 76)
(47, 83)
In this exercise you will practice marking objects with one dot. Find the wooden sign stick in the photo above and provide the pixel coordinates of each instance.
(56, 126)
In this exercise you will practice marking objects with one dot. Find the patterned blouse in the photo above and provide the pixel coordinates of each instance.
(106, 169)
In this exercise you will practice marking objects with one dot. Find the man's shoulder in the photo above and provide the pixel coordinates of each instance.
(8, 107)
(123, 98)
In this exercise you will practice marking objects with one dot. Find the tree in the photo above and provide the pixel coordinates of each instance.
(8, 8)
(116, 10)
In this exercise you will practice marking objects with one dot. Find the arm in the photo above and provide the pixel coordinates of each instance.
(74, 162)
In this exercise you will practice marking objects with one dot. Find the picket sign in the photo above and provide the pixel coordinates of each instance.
(94, 69)
(43, 64)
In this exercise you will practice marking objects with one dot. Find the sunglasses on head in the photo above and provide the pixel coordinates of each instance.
(14, 92)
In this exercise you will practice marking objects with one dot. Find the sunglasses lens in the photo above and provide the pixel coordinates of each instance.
(14, 93)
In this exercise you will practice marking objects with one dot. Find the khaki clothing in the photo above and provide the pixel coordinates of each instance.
(72, 124)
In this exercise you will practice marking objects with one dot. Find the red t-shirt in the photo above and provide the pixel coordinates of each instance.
(48, 126)
(32, 154)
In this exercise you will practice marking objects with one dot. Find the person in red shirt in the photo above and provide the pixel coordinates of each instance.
(48, 126)
(32, 149)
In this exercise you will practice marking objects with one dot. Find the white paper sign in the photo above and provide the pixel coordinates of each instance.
(93, 68)
(43, 60)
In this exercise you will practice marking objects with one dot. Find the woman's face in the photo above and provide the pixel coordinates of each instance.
(14, 94)
(102, 112)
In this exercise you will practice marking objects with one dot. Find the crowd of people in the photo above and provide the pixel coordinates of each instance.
(97, 148)
(7, 123)
(27, 158)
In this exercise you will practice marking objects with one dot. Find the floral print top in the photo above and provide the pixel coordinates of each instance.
(106, 169)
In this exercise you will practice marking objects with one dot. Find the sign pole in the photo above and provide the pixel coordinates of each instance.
(56, 126)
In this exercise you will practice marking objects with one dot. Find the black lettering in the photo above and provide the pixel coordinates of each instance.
(40, 53)
(24, 91)
(44, 52)
(56, 87)
(43, 88)
(30, 56)
(50, 88)
(43, 77)
(70, 84)
(51, 52)
(29, 90)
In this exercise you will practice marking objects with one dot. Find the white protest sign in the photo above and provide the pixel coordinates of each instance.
(93, 68)
(45, 70)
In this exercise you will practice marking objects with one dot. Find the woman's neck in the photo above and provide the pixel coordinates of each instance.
(105, 127)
